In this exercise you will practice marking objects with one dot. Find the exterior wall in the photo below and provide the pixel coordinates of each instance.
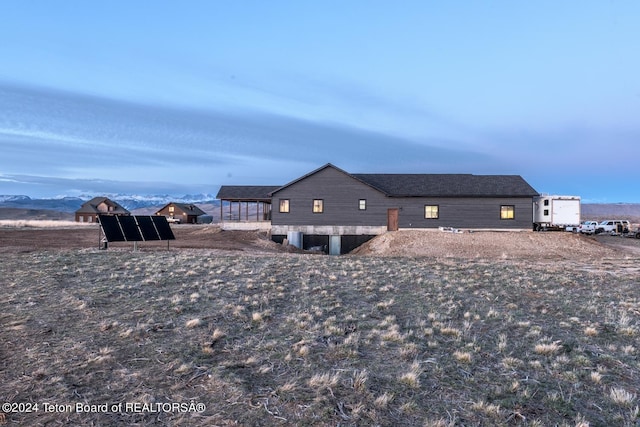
(329, 230)
(475, 213)
(90, 217)
(178, 213)
(86, 217)
(246, 226)
(341, 215)
(340, 194)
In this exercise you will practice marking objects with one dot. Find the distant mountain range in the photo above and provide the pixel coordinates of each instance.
(20, 206)
(130, 202)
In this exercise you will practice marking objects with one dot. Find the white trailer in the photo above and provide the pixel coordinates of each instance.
(556, 212)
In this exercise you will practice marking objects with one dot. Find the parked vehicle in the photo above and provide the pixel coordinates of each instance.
(613, 226)
(173, 220)
(635, 233)
(588, 227)
(556, 212)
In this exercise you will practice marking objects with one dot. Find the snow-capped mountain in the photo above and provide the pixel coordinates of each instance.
(134, 201)
(128, 201)
(13, 198)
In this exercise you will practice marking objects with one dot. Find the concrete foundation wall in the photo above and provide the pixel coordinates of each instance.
(246, 226)
(329, 230)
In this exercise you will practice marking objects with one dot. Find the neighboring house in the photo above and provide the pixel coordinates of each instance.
(338, 210)
(90, 210)
(184, 213)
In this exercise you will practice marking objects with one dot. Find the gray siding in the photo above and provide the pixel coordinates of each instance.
(455, 212)
(341, 193)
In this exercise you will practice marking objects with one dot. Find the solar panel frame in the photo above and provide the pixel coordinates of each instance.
(138, 228)
(111, 228)
(163, 227)
(147, 228)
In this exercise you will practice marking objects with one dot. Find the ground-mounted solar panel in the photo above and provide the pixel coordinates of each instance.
(130, 228)
(111, 228)
(163, 227)
(147, 228)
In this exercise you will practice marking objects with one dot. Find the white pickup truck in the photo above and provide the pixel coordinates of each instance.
(613, 226)
(588, 227)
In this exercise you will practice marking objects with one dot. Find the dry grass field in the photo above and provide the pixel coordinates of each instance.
(452, 336)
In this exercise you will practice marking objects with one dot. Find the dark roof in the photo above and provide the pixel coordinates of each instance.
(91, 206)
(448, 185)
(437, 185)
(253, 193)
(188, 208)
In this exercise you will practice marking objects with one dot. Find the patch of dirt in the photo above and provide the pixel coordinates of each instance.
(525, 245)
(501, 245)
(29, 239)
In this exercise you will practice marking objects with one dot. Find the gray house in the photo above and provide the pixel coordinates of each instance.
(335, 209)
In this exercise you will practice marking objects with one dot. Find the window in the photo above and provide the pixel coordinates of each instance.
(171, 209)
(318, 205)
(546, 202)
(507, 212)
(431, 211)
(284, 205)
(546, 212)
(362, 204)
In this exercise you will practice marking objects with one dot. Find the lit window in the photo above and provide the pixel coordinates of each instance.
(284, 205)
(171, 209)
(507, 212)
(318, 205)
(431, 212)
(362, 204)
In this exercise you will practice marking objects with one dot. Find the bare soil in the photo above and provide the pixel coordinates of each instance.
(503, 245)
(523, 245)
(27, 239)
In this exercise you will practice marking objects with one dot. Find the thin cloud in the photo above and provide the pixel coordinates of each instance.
(77, 132)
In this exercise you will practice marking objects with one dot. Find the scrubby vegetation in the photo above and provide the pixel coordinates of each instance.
(316, 340)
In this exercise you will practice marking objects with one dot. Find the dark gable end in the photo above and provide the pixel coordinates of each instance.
(328, 165)
(91, 206)
(448, 185)
(187, 208)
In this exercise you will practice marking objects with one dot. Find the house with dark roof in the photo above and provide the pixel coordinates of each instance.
(337, 210)
(184, 213)
(333, 208)
(90, 210)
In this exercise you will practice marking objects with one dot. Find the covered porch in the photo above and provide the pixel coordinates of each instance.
(245, 207)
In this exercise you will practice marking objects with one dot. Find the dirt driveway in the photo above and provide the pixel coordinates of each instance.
(436, 244)
(27, 239)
